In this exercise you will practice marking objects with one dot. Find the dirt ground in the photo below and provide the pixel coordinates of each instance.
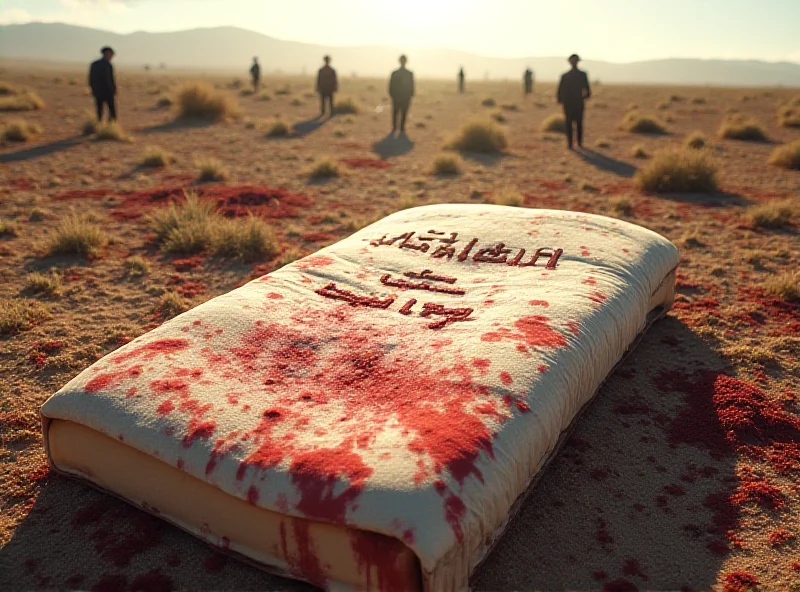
(683, 474)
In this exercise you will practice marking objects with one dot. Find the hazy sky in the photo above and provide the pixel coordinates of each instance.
(614, 30)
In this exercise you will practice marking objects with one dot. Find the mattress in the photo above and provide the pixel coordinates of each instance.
(371, 416)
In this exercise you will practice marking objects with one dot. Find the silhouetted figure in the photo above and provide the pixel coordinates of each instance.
(401, 89)
(528, 81)
(327, 84)
(461, 81)
(103, 85)
(573, 90)
(255, 74)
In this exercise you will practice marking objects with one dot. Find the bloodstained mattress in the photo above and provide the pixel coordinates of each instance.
(370, 416)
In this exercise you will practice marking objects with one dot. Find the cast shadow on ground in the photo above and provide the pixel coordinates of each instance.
(599, 514)
(606, 163)
(177, 125)
(39, 151)
(392, 145)
(303, 128)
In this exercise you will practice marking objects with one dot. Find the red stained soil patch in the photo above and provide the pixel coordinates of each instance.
(188, 263)
(779, 536)
(739, 581)
(620, 585)
(366, 163)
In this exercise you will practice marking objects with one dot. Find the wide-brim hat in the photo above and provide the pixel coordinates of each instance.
(574, 57)
(107, 48)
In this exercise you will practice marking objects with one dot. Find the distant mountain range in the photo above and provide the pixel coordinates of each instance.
(231, 48)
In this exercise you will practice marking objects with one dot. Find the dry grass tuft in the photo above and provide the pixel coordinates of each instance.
(509, 197)
(785, 286)
(637, 123)
(277, 129)
(198, 100)
(20, 130)
(679, 170)
(347, 106)
(89, 126)
(772, 214)
(787, 156)
(555, 123)
(498, 116)
(602, 143)
(164, 102)
(509, 107)
(324, 168)
(265, 96)
(639, 152)
(8, 228)
(111, 131)
(18, 314)
(210, 169)
(482, 136)
(171, 304)
(43, 283)
(621, 205)
(137, 266)
(155, 156)
(695, 140)
(447, 164)
(184, 227)
(741, 128)
(77, 235)
(249, 239)
(698, 101)
(489, 102)
(24, 100)
(789, 114)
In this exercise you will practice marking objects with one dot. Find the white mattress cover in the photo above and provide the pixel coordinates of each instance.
(321, 391)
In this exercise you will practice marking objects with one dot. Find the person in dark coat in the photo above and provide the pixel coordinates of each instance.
(573, 90)
(461, 81)
(103, 85)
(401, 89)
(255, 74)
(327, 84)
(528, 81)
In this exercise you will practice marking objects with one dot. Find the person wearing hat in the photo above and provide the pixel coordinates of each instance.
(401, 90)
(573, 90)
(103, 85)
(327, 84)
(255, 74)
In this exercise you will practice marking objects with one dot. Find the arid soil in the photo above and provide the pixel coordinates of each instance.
(683, 474)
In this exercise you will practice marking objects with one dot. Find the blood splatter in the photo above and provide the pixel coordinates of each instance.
(378, 557)
(533, 331)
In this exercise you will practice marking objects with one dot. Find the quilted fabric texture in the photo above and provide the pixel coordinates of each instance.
(410, 380)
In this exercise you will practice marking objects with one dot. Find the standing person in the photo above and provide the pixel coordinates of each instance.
(327, 84)
(255, 74)
(401, 89)
(527, 80)
(461, 81)
(103, 85)
(573, 90)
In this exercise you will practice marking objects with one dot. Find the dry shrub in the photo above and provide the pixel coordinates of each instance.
(20, 130)
(679, 170)
(111, 131)
(155, 156)
(742, 128)
(137, 266)
(787, 156)
(164, 102)
(324, 168)
(639, 152)
(509, 107)
(8, 228)
(482, 136)
(296, 103)
(695, 140)
(193, 211)
(772, 214)
(447, 164)
(602, 143)
(25, 100)
(265, 96)
(785, 286)
(19, 314)
(277, 129)
(6, 89)
(247, 92)
(555, 123)
(198, 100)
(210, 169)
(347, 106)
(489, 102)
(89, 126)
(249, 239)
(283, 91)
(43, 283)
(698, 101)
(509, 197)
(638, 123)
(171, 304)
(498, 117)
(676, 99)
(789, 115)
(77, 235)
(622, 205)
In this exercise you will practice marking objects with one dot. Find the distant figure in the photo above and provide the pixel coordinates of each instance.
(327, 84)
(461, 81)
(103, 85)
(573, 90)
(401, 89)
(528, 81)
(255, 74)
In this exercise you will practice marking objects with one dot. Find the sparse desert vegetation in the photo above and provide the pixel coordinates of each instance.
(638, 123)
(482, 136)
(787, 156)
(447, 164)
(198, 100)
(155, 156)
(347, 106)
(736, 127)
(14, 99)
(324, 168)
(695, 140)
(20, 130)
(211, 169)
(773, 214)
(555, 124)
(277, 129)
(679, 170)
(77, 235)
(111, 131)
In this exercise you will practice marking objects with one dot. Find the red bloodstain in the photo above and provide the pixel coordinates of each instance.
(274, 296)
(584, 251)
(599, 574)
(505, 378)
(674, 489)
(378, 559)
(366, 163)
(779, 536)
(603, 536)
(150, 351)
(111, 583)
(482, 364)
(215, 562)
(543, 303)
(597, 297)
(756, 489)
(165, 408)
(74, 581)
(314, 261)
(620, 585)
(533, 331)
(152, 581)
(198, 430)
(454, 512)
(739, 581)
(632, 568)
(188, 263)
(305, 563)
(252, 494)
(590, 281)
(111, 379)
